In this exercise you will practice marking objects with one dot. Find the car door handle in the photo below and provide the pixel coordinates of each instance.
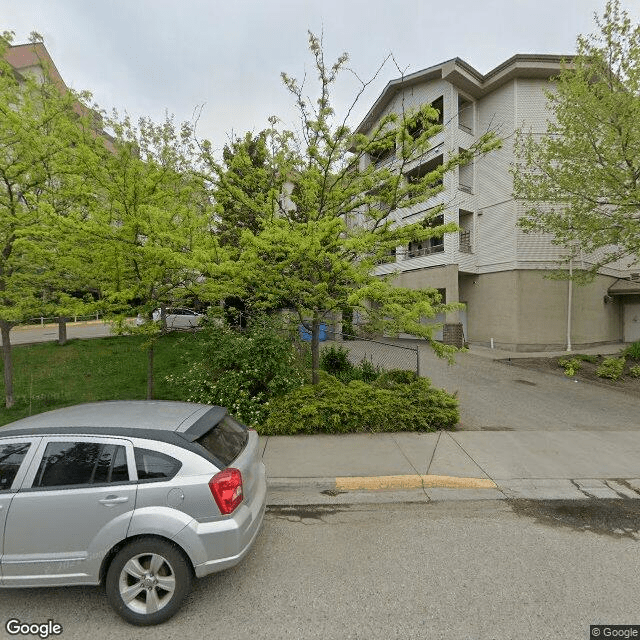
(109, 501)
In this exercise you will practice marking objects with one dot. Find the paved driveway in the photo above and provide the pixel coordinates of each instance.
(496, 396)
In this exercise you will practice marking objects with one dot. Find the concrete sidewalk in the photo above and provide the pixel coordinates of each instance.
(397, 467)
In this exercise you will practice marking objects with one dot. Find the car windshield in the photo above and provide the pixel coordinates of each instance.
(226, 440)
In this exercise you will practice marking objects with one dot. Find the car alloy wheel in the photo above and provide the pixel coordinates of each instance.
(147, 581)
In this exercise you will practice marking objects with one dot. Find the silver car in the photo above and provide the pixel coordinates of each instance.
(137, 495)
(176, 318)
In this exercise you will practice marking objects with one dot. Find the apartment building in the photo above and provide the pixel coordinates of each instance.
(33, 59)
(499, 272)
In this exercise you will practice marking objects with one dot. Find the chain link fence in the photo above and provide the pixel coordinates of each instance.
(380, 353)
(41, 320)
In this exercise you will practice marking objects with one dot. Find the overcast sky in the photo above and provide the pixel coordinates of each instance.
(152, 56)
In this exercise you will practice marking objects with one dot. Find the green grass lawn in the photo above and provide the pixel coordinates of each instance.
(47, 376)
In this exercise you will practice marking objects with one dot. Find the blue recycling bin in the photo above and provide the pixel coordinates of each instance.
(306, 335)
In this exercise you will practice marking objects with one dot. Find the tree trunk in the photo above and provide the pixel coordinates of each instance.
(315, 349)
(62, 331)
(5, 328)
(163, 318)
(150, 371)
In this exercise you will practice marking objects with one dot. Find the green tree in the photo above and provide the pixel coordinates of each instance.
(333, 222)
(41, 124)
(581, 180)
(148, 218)
(246, 184)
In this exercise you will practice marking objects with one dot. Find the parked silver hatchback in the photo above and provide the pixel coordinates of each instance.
(137, 495)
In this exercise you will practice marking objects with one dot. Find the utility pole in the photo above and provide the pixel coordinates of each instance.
(569, 302)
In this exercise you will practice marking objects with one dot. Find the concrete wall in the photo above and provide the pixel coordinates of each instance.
(523, 311)
(491, 300)
(443, 277)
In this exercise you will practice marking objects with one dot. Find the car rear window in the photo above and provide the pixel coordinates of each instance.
(153, 465)
(225, 440)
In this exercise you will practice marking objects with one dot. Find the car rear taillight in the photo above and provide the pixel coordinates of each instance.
(226, 489)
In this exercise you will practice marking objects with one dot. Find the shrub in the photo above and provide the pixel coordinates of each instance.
(243, 371)
(366, 371)
(392, 378)
(585, 357)
(611, 368)
(334, 407)
(335, 361)
(571, 365)
(634, 371)
(632, 351)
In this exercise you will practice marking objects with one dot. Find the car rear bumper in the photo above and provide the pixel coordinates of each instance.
(214, 546)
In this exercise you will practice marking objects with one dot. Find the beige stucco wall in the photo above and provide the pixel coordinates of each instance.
(442, 277)
(491, 300)
(524, 311)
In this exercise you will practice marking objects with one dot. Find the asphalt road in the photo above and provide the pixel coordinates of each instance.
(49, 332)
(452, 570)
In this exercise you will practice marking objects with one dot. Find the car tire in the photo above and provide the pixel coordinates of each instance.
(147, 581)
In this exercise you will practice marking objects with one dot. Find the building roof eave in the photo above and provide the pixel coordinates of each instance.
(468, 79)
(624, 287)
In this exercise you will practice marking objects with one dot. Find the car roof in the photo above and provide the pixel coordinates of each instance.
(123, 417)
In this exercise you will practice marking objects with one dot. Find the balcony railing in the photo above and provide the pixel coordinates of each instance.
(384, 161)
(425, 251)
(465, 242)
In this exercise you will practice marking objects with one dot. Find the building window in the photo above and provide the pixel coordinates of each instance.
(465, 175)
(383, 151)
(416, 129)
(438, 104)
(417, 174)
(465, 114)
(420, 248)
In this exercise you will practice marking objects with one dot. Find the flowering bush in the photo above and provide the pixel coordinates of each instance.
(243, 371)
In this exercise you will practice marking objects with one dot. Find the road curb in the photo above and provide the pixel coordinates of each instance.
(284, 484)
(412, 482)
(380, 483)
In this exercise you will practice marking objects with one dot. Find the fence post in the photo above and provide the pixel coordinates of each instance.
(418, 360)
(41, 321)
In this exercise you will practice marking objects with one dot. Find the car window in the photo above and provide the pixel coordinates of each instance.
(225, 440)
(11, 456)
(153, 465)
(74, 463)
